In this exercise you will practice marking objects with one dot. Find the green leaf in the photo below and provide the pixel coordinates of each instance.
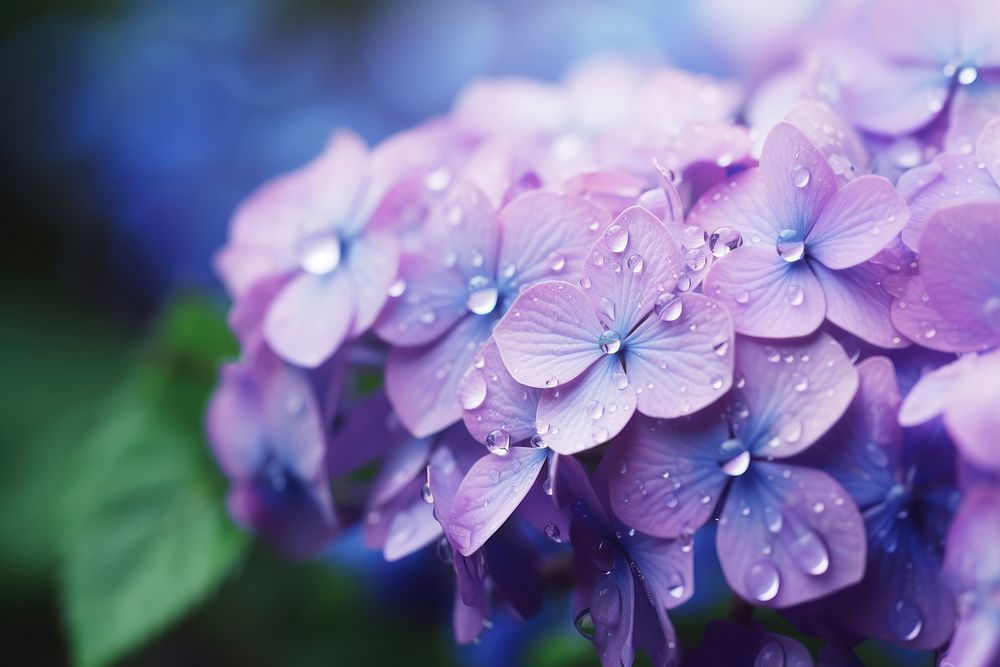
(148, 536)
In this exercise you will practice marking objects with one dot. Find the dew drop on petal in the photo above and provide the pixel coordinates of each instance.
(800, 176)
(671, 501)
(796, 295)
(771, 655)
(668, 307)
(319, 252)
(737, 465)
(790, 247)
(607, 308)
(498, 442)
(967, 75)
(636, 263)
(596, 410)
(602, 557)
(809, 553)
(742, 297)
(585, 282)
(610, 341)
(556, 261)
(552, 530)
(762, 581)
(723, 241)
(472, 390)
(675, 586)
(425, 493)
(584, 624)
(616, 237)
(905, 620)
(773, 519)
(397, 288)
(695, 259)
(483, 295)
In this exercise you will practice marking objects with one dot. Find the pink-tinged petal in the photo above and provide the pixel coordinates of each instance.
(741, 203)
(839, 143)
(489, 494)
(549, 335)
(432, 301)
(588, 411)
(971, 110)
(794, 391)
(894, 99)
(422, 382)
(635, 260)
(798, 179)
(311, 317)
(948, 179)
(858, 302)
(682, 365)
(373, 261)
(960, 264)
(544, 235)
(767, 296)
(784, 552)
(665, 567)
(971, 415)
(461, 230)
(857, 222)
(920, 31)
(412, 528)
(988, 148)
(931, 393)
(491, 399)
(915, 314)
(659, 472)
(234, 425)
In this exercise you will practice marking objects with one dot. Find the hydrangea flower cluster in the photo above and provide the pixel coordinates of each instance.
(622, 314)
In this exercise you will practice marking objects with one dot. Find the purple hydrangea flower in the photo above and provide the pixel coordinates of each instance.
(619, 342)
(903, 482)
(266, 427)
(315, 231)
(625, 580)
(787, 533)
(973, 564)
(954, 303)
(453, 292)
(805, 244)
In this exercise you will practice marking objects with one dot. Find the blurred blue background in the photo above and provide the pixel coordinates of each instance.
(129, 131)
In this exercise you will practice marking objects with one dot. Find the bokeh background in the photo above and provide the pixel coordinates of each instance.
(128, 133)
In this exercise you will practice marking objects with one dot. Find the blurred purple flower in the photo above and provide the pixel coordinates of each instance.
(728, 643)
(787, 533)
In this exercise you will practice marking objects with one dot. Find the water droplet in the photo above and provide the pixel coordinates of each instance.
(684, 283)
(552, 381)
(600, 434)
(425, 493)
(695, 259)
(585, 282)
(717, 382)
(809, 553)
(905, 620)
(602, 557)
(620, 380)
(427, 317)
(791, 431)
(742, 297)
(397, 288)
(444, 552)
(771, 655)
(498, 442)
(616, 237)
(967, 75)
(876, 455)
(595, 409)
(437, 180)
(692, 237)
(795, 295)
(483, 295)
(800, 176)
(610, 341)
(607, 308)
(723, 241)
(547, 488)
(472, 390)
(319, 252)
(584, 624)
(552, 531)
(635, 263)
(773, 519)
(737, 465)
(671, 501)
(668, 307)
(675, 586)
(801, 382)
(762, 581)
(790, 247)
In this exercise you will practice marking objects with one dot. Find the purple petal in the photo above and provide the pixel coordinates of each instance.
(767, 296)
(549, 335)
(793, 392)
(654, 633)
(372, 422)
(634, 261)
(915, 314)
(234, 426)
(466, 620)
(544, 235)
(659, 472)
(292, 420)
(432, 301)
(921, 31)
(246, 317)
(971, 414)
(837, 140)
(798, 179)
(665, 568)
(956, 238)
(946, 179)
(929, 396)
(802, 539)
(422, 382)
(491, 399)
(412, 528)
(489, 494)
(894, 99)
(682, 365)
(971, 110)
(612, 608)
(857, 222)
(461, 229)
(857, 301)
(741, 203)
(290, 519)
(373, 261)
(988, 148)
(404, 464)
(310, 318)
(588, 411)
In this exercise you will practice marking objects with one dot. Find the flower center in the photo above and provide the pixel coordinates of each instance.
(483, 295)
(319, 252)
(610, 341)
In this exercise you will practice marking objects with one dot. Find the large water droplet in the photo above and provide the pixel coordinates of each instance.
(796, 295)
(762, 581)
(483, 295)
(619, 379)
(498, 442)
(723, 241)
(742, 297)
(967, 75)
(397, 288)
(675, 586)
(668, 307)
(584, 624)
(426, 494)
(737, 465)
(319, 252)
(602, 557)
(809, 553)
(800, 176)
(791, 431)
(472, 390)
(790, 246)
(610, 341)
(905, 620)
(635, 263)
(616, 237)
